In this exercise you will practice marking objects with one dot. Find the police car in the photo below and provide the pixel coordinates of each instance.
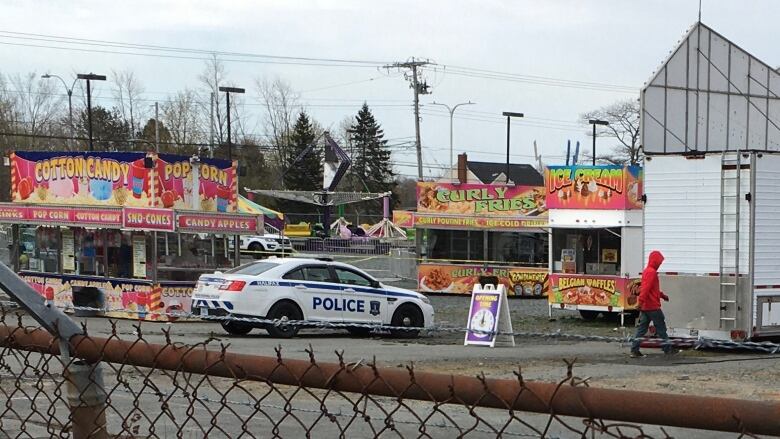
(308, 289)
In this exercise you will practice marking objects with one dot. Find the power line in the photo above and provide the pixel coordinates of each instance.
(259, 103)
(168, 51)
(496, 122)
(525, 77)
(150, 47)
(493, 116)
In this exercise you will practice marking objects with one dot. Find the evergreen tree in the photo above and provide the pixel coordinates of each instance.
(371, 165)
(306, 173)
(109, 131)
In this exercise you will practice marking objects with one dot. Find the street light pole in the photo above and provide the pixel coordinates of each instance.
(595, 122)
(90, 77)
(70, 103)
(452, 113)
(227, 91)
(156, 127)
(509, 115)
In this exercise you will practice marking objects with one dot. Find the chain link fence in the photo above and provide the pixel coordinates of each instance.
(125, 386)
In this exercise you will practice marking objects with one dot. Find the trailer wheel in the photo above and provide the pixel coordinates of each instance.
(589, 315)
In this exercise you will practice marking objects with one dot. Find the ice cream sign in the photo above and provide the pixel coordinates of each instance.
(148, 219)
(593, 187)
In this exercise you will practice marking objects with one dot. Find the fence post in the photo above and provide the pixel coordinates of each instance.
(87, 400)
(86, 395)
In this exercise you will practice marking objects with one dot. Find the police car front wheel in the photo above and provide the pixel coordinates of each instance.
(407, 316)
(283, 311)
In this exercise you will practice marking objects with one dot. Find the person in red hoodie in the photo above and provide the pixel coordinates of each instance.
(650, 306)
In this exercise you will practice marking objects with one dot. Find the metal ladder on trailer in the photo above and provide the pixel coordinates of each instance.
(730, 172)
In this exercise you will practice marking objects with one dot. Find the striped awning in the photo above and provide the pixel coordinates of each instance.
(247, 206)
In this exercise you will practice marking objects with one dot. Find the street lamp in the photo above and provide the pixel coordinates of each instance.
(70, 102)
(452, 113)
(227, 91)
(595, 122)
(509, 115)
(90, 77)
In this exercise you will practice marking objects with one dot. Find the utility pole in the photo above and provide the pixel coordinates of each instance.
(227, 91)
(156, 127)
(211, 126)
(420, 88)
(90, 77)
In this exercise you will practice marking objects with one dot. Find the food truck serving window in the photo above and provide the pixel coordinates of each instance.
(185, 256)
(587, 251)
(518, 248)
(39, 249)
(506, 248)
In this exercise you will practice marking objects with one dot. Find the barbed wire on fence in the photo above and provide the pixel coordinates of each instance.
(691, 343)
(203, 389)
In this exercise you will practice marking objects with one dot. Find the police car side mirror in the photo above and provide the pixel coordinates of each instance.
(375, 284)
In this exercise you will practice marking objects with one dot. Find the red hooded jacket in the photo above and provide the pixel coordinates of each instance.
(650, 293)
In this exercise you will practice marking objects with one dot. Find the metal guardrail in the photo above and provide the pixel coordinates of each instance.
(352, 246)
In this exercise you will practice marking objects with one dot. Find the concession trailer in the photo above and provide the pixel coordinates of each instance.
(710, 128)
(125, 232)
(595, 215)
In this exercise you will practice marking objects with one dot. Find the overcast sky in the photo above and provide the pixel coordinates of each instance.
(616, 42)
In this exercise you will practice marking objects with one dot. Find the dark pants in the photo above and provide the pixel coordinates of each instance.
(645, 317)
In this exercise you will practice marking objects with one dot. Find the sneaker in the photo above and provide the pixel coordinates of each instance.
(673, 352)
(637, 354)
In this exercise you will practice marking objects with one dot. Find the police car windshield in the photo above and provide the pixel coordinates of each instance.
(252, 268)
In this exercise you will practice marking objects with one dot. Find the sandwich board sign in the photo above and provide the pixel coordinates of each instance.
(488, 315)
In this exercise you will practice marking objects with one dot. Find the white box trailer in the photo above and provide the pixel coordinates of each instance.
(710, 130)
(710, 226)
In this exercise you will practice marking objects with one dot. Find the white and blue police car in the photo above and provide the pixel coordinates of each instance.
(308, 289)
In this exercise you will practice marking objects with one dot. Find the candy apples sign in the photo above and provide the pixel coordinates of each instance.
(593, 187)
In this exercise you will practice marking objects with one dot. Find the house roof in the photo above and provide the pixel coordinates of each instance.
(519, 174)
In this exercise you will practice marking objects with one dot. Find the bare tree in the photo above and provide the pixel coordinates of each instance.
(282, 105)
(623, 118)
(7, 105)
(37, 105)
(127, 94)
(181, 115)
(211, 78)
